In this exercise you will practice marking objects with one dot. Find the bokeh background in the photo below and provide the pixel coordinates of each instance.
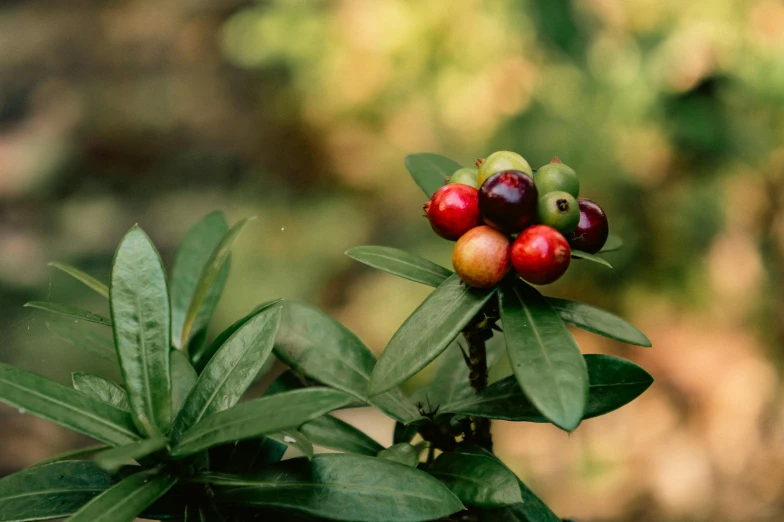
(301, 112)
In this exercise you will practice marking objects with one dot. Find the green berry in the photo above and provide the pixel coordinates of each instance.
(501, 161)
(465, 176)
(556, 176)
(559, 210)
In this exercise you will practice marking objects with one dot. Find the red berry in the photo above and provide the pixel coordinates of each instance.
(453, 210)
(507, 201)
(541, 255)
(481, 257)
(592, 230)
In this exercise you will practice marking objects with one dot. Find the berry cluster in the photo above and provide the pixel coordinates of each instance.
(503, 214)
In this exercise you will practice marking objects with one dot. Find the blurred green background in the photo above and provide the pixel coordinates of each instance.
(301, 112)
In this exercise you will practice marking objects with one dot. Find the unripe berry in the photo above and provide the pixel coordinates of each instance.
(481, 257)
(465, 176)
(541, 255)
(501, 161)
(558, 210)
(555, 176)
(507, 201)
(592, 229)
(453, 210)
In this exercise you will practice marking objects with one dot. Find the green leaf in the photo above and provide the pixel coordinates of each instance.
(73, 455)
(252, 455)
(77, 335)
(230, 371)
(259, 417)
(189, 262)
(612, 244)
(577, 254)
(341, 486)
(614, 382)
(201, 356)
(546, 361)
(294, 439)
(476, 479)
(404, 433)
(402, 453)
(210, 274)
(183, 378)
(112, 459)
(427, 332)
(50, 491)
(102, 389)
(204, 511)
(140, 312)
(316, 345)
(332, 433)
(401, 264)
(430, 170)
(52, 401)
(598, 321)
(69, 311)
(127, 499)
(87, 279)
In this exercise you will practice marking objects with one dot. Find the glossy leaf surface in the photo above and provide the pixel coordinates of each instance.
(430, 170)
(427, 332)
(140, 312)
(50, 400)
(401, 263)
(402, 453)
(102, 389)
(590, 257)
(112, 459)
(344, 487)
(50, 491)
(99, 287)
(545, 359)
(598, 321)
(330, 432)
(183, 380)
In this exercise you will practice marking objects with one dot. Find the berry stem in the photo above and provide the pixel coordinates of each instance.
(476, 334)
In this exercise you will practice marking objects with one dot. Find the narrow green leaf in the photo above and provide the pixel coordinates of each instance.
(332, 433)
(230, 371)
(52, 401)
(546, 361)
(201, 356)
(260, 417)
(401, 263)
(294, 439)
(614, 382)
(69, 311)
(208, 277)
(402, 453)
(50, 491)
(251, 455)
(577, 254)
(79, 335)
(140, 311)
(189, 261)
(612, 244)
(102, 389)
(73, 455)
(316, 345)
(183, 377)
(341, 486)
(598, 321)
(83, 277)
(430, 170)
(127, 499)
(427, 332)
(476, 479)
(112, 459)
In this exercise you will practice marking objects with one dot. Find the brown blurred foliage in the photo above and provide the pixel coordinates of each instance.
(113, 113)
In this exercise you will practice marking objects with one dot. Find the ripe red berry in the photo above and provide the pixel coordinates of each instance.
(507, 201)
(481, 257)
(541, 255)
(592, 229)
(453, 210)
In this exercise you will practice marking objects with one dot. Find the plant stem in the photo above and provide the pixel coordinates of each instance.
(476, 335)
